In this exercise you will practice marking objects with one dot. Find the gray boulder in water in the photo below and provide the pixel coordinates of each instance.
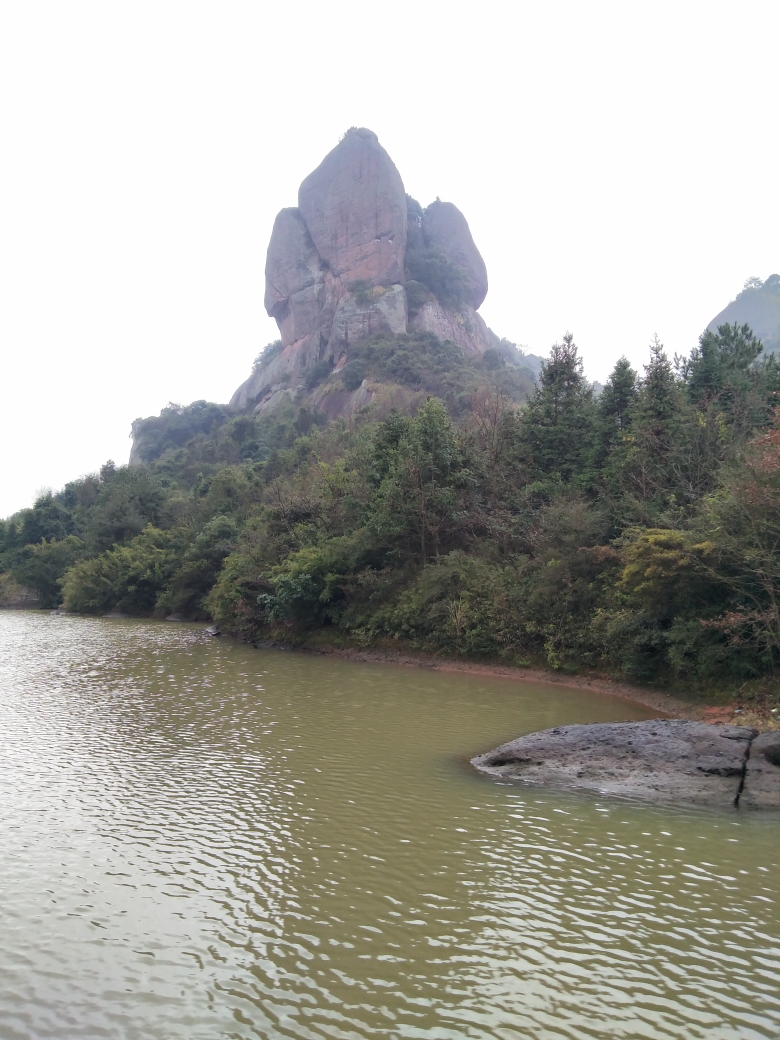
(662, 760)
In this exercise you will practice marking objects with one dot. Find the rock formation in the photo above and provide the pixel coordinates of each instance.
(354, 206)
(444, 227)
(668, 761)
(338, 269)
(758, 305)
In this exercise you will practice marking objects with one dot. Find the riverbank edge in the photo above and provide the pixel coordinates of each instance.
(695, 707)
(669, 705)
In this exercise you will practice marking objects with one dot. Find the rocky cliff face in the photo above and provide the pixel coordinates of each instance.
(444, 228)
(352, 259)
(354, 206)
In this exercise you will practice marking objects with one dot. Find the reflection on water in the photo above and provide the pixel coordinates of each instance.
(202, 840)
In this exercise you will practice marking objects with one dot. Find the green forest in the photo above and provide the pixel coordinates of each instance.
(635, 531)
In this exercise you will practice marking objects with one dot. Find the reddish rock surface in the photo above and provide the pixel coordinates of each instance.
(354, 206)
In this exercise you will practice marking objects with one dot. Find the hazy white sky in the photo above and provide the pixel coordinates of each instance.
(617, 163)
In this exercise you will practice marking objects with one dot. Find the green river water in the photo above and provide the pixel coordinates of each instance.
(202, 840)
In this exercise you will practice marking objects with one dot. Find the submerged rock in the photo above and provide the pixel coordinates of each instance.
(663, 760)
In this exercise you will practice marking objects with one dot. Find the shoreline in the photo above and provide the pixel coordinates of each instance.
(669, 705)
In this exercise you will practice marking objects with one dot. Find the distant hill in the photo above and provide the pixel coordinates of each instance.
(758, 305)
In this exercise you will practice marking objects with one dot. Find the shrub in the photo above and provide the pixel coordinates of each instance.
(353, 375)
(267, 354)
(127, 577)
(319, 373)
(416, 295)
(445, 279)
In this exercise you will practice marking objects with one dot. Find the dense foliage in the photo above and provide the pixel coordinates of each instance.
(636, 531)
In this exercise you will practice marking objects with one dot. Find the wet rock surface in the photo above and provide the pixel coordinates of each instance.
(663, 760)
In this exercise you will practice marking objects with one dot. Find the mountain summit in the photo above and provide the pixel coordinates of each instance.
(758, 305)
(357, 257)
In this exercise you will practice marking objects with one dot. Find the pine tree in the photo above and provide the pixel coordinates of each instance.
(613, 411)
(727, 373)
(619, 395)
(558, 420)
(649, 467)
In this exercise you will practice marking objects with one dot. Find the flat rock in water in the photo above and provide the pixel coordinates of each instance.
(662, 760)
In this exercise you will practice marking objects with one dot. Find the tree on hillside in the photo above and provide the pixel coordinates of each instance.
(650, 464)
(47, 519)
(743, 521)
(613, 410)
(418, 469)
(556, 423)
(725, 371)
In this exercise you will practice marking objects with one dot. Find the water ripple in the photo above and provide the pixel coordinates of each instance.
(200, 840)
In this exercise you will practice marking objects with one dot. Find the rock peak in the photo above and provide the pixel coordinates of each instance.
(352, 260)
(354, 206)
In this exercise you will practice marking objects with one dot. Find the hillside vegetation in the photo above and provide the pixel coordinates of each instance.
(758, 305)
(636, 532)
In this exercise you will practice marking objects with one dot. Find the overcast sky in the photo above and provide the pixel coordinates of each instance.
(617, 163)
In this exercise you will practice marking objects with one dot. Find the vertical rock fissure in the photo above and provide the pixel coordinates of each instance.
(743, 776)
